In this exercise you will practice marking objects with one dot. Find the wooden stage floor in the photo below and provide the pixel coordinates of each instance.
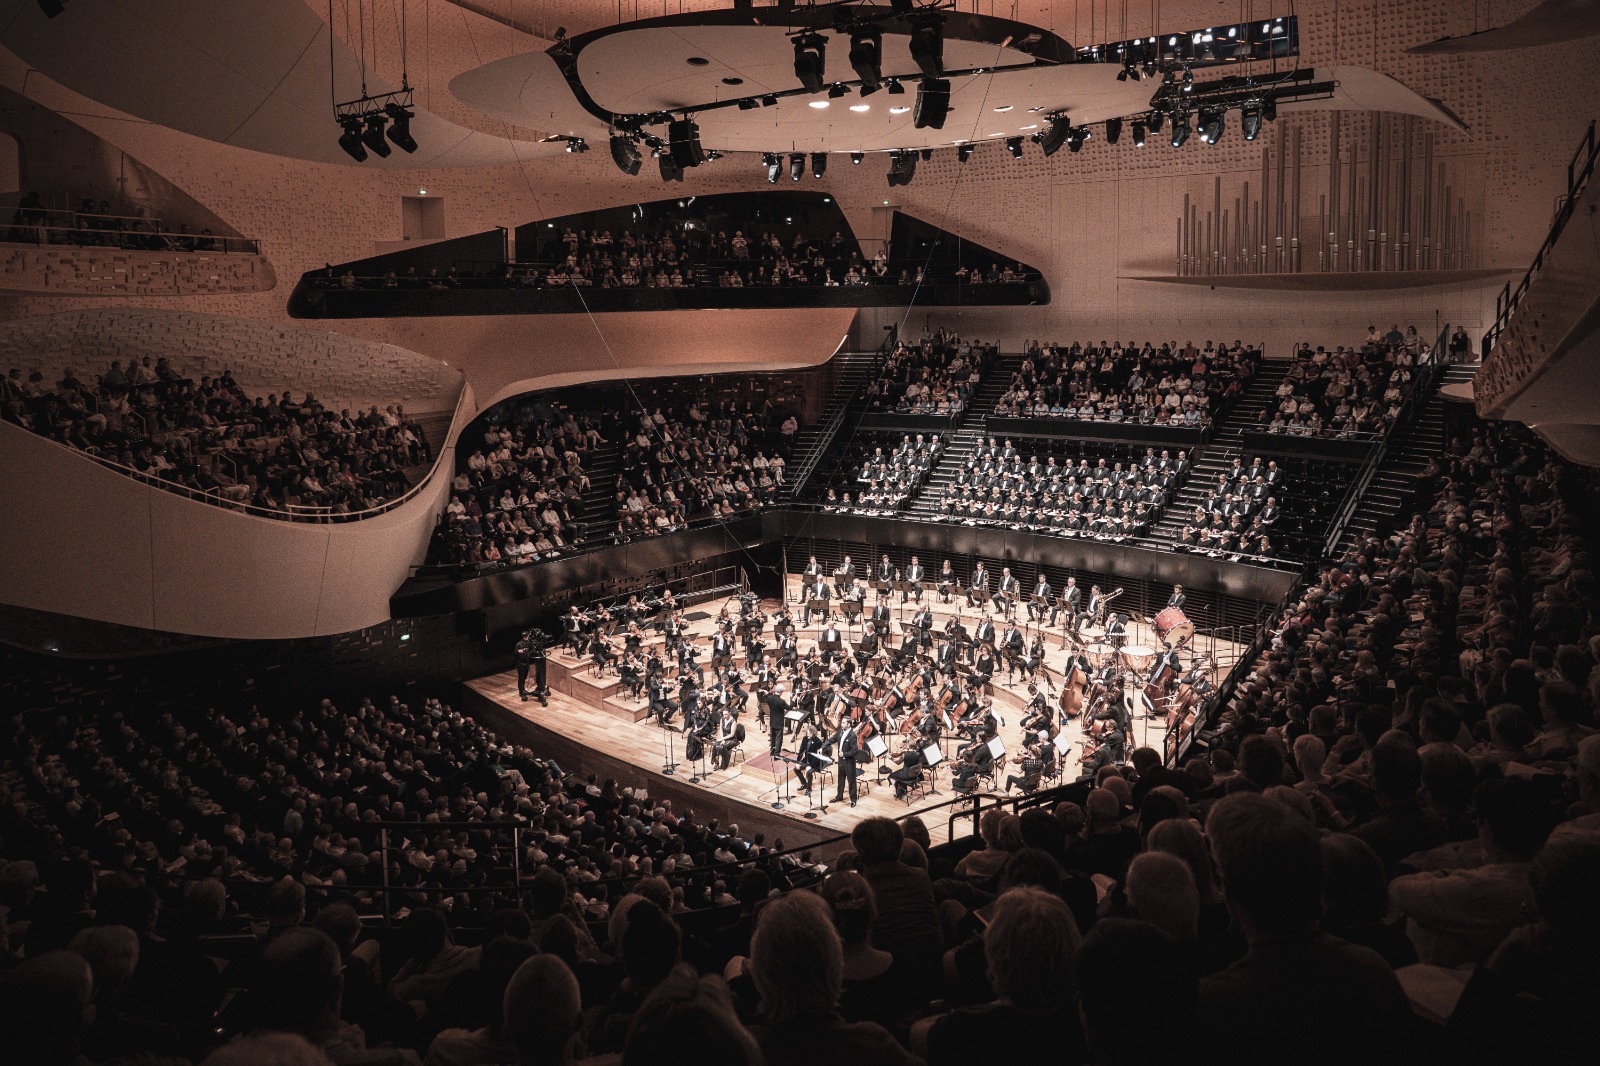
(591, 726)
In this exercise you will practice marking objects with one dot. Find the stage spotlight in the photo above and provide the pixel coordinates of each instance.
(856, 158)
(774, 164)
(1212, 123)
(670, 170)
(837, 90)
(797, 166)
(964, 152)
(769, 100)
(819, 164)
(1188, 80)
(1053, 136)
(749, 103)
(1156, 119)
(1138, 135)
(902, 168)
(927, 44)
(577, 145)
(625, 154)
(1150, 68)
(1180, 128)
(1014, 146)
(683, 136)
(1250, 121)
(925, 153)
(933, 103)
(350, 140)
(1269, 108)
(866, 58)
(1128, 71)
(1113, 130)
(373, 137)
(400, 127)
(895, 88)
(810, 50)
(1076, 137)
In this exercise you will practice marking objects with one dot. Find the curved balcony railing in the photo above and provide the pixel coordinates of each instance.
(44, 227)
(288, 513)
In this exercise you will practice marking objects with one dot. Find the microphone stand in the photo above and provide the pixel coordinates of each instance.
(670, 766)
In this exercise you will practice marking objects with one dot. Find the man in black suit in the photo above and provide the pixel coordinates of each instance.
(810, 744)
(1071, 600)
(776, 708)
(847, 746)
(1041, 598)
(914, 574)
(831, 644)
(818, 591)
(1177, 599)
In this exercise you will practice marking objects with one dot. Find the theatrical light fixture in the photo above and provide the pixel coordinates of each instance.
(749, 103)
(866, 58)
(819, 164)
(1250, 121)
(1053, 136)
(625, 154)
(810, 50)
(373, 137)
(1076, 136)
(1180, 128)
(1156, 118)
(925, 153)
(1269, 109)
(964, 152)
(350, 140)
(933, 103)
(769, 100)
(577, 145)
(670, 170)
(837, 90)
(1211, 125)
(856, 157)
(797, 166)
(400, 127)
(895, 88)
(927, 44)
(1014, 146)
(1188, 80)
(1113, 130)
(1138, 135)
(774, 164)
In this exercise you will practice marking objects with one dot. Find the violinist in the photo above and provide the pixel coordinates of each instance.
(601, 653)
(866, 648)
(909, 772)
(754, 649)
(973, 761)
(572, 627)
(1033, 662)
(1032, 767)
(662, 705)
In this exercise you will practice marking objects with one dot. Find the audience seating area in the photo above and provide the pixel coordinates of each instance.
(1145, 385)
(1349, 391)
(279, 455)
(936, 376)
(99, 225)
(1397, 822)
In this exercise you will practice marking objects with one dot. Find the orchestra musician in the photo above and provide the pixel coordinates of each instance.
(984, 634)
(830, 644)
(813, 572)
(909, 772)
(1040, 603)
(1006, 591)
(1177, 599)
(979, 583)
(880, 618)
(1037, 713)
(975, 760)
(1012, 647)
(1067, 607)
(817, 593)
(662, 705)
(1117, 629)
(1091, 610)
(804, 767)
(843, 576)
(947, 580)
(1032, 766)
(885, 572)
(913, 581)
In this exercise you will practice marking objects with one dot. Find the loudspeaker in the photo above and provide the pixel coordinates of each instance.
(683, 138)
(933, 103)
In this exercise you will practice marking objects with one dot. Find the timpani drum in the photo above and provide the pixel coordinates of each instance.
(1098, 654)
(1137, 657)
(1173, 626)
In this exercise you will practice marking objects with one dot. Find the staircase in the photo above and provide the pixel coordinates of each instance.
(1408, 452)
(855, 370)
(1218, 455)
(968, 433)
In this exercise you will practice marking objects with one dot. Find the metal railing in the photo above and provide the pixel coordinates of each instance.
(829, 430)
(120, 232)
(288, 513)
(1579, 169)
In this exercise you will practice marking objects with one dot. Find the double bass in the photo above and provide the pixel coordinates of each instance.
(1072, 688)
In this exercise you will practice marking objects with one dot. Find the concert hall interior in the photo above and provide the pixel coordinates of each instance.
(874, 531)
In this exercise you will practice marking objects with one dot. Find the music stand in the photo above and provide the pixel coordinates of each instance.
(877, 749)
(829, 648)
(815, 605)
(978, 597)
(852, 612)
(819, 768)
(1062, 744)
(997, 748)
(882, 587)
(777, 804)
(932, 756)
